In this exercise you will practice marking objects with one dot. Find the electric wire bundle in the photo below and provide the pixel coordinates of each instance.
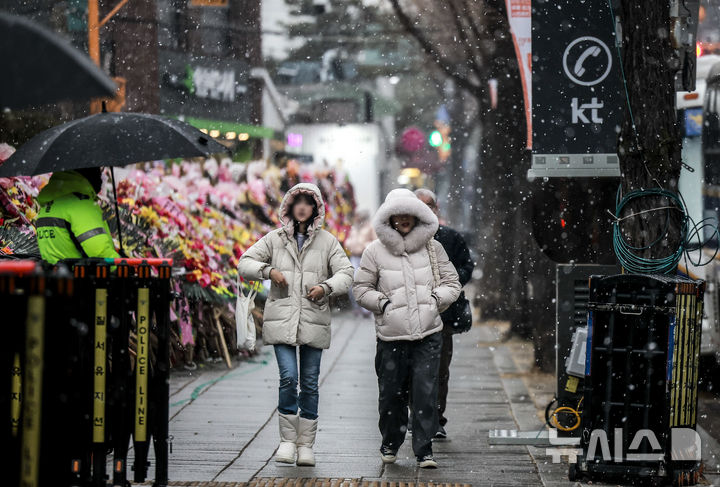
(691, 235)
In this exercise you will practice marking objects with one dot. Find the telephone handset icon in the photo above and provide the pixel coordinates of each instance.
(593, 51)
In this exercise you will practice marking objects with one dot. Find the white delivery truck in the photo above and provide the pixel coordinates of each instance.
(698, 113)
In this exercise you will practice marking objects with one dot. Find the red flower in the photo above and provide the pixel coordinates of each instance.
(204, 280)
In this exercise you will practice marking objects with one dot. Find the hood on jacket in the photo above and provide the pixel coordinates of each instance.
(404, 202)
(286, 218)
(64, 183)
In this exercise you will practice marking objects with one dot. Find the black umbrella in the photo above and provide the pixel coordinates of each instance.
(108, 139)
(40, 67)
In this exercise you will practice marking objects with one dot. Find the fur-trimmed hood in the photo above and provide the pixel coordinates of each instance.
(287, 220)
(404, 202)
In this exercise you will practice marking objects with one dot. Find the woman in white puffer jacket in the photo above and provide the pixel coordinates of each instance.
(406, 279)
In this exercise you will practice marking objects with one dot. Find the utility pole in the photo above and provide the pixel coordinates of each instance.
(94, 31)
(94, 26)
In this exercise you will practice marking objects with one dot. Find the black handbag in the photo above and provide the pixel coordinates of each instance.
(458, 317)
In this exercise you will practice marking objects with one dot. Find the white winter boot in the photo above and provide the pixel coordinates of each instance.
(288, 438)
(307, 429)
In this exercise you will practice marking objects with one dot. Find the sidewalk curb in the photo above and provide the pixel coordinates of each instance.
(525, 415)
(555, 474)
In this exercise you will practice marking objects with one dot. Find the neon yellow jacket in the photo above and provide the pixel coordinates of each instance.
(70, 224)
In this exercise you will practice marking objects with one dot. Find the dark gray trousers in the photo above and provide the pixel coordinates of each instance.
(408, 373)
(445, 359)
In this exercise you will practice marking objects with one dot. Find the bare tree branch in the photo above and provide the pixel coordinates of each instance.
(432, 52)
(474, 29)
(467, 45)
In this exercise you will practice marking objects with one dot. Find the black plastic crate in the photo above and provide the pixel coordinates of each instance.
(641, 373)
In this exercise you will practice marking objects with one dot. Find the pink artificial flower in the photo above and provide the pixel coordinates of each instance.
(6, 151)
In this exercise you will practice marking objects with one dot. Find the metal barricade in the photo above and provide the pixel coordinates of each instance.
(86, 369)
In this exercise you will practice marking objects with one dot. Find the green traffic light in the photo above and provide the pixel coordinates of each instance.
(435, 139)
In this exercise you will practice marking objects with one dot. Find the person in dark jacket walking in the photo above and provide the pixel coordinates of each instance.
(459, 254)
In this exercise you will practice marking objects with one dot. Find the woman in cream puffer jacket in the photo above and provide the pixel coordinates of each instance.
(396, 281)
(307, 265)
(290, 318)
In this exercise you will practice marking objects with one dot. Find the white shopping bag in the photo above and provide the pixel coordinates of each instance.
(244, 322)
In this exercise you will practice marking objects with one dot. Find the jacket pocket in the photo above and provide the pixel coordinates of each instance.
(315, 313)
(277, 293)
(277, 309)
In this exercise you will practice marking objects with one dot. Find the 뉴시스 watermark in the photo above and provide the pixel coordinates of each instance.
(685, 445)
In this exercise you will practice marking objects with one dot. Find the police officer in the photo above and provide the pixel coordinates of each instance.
(70, 224)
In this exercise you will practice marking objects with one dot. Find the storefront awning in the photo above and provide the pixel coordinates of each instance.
(223, 127)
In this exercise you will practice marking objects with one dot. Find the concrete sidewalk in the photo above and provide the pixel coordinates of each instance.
(224, 423)
(514, 361)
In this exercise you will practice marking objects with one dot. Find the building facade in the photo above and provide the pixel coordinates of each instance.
(190, 59)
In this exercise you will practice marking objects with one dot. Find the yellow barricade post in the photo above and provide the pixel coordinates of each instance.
(100, 362)
(141, 368)
(16, 395)
(32, 392)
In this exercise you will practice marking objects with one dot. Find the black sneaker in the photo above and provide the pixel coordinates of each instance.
(441, 433)
(388, 454)
(427, 461)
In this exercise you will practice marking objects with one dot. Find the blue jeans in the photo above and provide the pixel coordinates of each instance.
(289, 401)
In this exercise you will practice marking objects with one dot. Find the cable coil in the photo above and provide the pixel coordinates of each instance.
(690, 235)
(552, 419)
